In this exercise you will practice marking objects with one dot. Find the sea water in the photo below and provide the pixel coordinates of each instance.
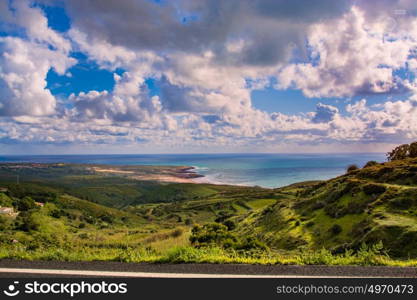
(262, 169)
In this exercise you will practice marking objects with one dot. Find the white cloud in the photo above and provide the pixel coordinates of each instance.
(24, 63)
(23, 69)
(350, 56)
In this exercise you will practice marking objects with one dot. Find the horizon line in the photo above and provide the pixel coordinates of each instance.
(194, 153)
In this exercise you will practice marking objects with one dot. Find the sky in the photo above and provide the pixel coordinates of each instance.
(144, 76)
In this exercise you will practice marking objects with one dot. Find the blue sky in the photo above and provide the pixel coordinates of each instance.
(270, 76)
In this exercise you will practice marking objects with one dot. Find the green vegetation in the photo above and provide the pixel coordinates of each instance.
(403, 152)
(377, 203)
(367, 216)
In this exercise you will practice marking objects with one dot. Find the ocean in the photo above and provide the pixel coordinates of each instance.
(266, 170)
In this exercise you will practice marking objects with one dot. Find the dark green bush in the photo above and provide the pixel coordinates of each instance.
(211, 234)
(401, 203)
(26, 204)
(373, 189)
(26, 221)
(214, 234)
(188, 221)
(229, 224)
(370, 164)
(107, 218)
(310, 224)
(335, 229)
(351, 168)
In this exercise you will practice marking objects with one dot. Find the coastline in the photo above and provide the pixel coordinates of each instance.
(168, 174)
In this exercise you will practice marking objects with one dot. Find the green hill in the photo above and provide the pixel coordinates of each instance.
(368, 205)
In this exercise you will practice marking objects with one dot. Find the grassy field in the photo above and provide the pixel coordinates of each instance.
(366, 217)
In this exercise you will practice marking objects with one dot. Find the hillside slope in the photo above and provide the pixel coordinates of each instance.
(368, 205)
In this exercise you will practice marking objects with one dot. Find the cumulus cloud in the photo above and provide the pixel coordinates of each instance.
(207, 57)
(324, 113)
(24, 63)
(24, 66)
(351, 56)
(270, 28)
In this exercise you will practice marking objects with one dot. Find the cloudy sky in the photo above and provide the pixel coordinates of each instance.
(148, 76)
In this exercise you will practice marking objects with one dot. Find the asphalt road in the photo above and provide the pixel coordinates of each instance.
(13, 268)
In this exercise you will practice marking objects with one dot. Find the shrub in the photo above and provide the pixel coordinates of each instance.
(26, 204)
(403, 151)
(250, 244)
(401, 203)
(352, 167)
(83, 236)
(373, 189)
(229, 224)
(267, 210)
(413, 149)
(176, 233)
(335, 229)
(188, 221)
(107, 218)
(370, 164)
(26, 221)
(318, 205)
(310, 224)
(5, 200)
(4, 222)
(210, 234)
(368, 254)
(217, 235)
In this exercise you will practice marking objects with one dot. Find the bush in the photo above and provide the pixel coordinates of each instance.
(188, 221)
(351, 168)
(401, 203)
(374, 189)
(177, 232)
(310, 224)
(370, 164)
(229, 224)
(4, 222)
(26, 204)
(335, 229)
(5, 200)
(403, 151)
(26, 221)
(211, 234)
(217, 235)
(107, 218)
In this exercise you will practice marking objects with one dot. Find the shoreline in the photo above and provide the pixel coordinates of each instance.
(173, 174)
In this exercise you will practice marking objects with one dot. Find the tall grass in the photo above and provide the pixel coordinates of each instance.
(366, 256)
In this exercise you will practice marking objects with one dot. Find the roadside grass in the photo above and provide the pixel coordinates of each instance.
(366, 256)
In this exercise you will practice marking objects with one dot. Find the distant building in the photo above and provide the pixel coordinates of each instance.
(6, 210)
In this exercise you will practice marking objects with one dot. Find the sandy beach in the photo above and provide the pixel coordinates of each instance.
(162, 174)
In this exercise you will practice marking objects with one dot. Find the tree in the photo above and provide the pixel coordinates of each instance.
(403, 151)
(26, 221)
(413, 150)
(26, 204)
